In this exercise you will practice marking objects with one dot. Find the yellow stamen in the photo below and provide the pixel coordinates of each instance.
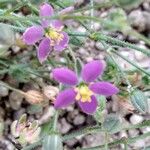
(54, 35)
(83, 94)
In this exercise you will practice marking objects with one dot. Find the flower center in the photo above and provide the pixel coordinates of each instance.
(54, 35)
(83, 93)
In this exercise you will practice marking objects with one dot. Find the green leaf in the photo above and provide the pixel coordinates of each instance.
(129, 4)
(33, 109)
(4, 51)
(112, 123)
(146, 80)
(139, 101)
(76, 41)
(19, 72)
(52, 142)
(119, 21)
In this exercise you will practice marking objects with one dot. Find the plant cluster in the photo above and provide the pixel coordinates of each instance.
(71, 78)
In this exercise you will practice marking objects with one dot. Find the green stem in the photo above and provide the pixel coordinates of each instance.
(87, 130)
(73, 55)
(130, 62)
(55, 121)
(140, 36)
(11, 88)
(106, 140)
(121, 72)
(61, 5)
(96, 129)
(116, 42)
(3, 63)
(18, 6)
(15, 28)
(143, 124)
(125, 146)
(97, 6)
(121, 141)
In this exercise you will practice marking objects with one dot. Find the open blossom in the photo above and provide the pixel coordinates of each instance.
(49, 34)
(83, 92)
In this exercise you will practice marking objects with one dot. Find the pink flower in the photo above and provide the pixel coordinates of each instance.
(49, 34)
(83, 92)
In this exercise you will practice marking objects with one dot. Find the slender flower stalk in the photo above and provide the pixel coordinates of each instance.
(83, 90)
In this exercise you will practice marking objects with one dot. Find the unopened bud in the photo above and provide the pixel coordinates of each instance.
(34, 97)
(50, 92)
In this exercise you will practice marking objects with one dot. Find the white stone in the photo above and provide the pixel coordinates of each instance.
(3, 91)
(134, 119)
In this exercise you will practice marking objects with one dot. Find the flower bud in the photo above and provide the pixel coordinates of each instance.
(50, 92)
(34, 97)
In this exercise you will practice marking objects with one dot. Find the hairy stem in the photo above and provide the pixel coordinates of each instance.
(121, 141)
(96, 129)
(120, 71)
(130, 62)
(12, 88)
(116, 42)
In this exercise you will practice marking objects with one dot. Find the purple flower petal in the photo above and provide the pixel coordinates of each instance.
(92, 70)
(89, 107)
(104, 88)
(65, 76)
(63, 43)
(44, 49)
(65, 98)
(57, 24)
(46, 10)
(33, 34)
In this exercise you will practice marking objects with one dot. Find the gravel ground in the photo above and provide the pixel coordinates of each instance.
(12, 104)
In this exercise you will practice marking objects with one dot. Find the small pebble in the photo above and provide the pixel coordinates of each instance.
(79, 119)
(48, 113)
(15, 100)
(139, 144)
(64, 126)
(3, 91)
(137, 20)
(133, 132)
(134, 119)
